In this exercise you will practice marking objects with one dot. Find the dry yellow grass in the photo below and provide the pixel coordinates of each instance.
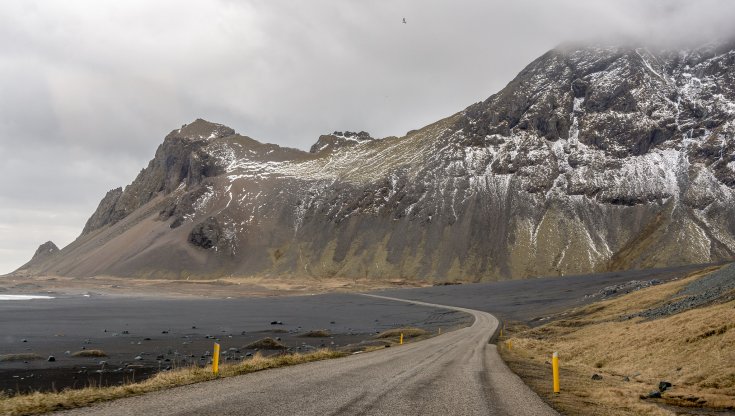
(235, 286)
(319, 333)
(46, 402)
(25, 356)
(408, 332)
(89, 353)
(267, 343)
(694, 350)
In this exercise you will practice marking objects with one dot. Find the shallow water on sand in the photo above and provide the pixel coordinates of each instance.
(24, 297)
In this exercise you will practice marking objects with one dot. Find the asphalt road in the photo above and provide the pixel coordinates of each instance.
(456, 373)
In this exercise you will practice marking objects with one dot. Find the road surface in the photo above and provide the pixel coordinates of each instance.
(456, 373)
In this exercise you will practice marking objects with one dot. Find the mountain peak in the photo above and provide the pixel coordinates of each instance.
(46, 249)
(340, 139)
(201, 129)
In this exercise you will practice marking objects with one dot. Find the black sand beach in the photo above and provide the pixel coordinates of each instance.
(143, 336)
(533, 300)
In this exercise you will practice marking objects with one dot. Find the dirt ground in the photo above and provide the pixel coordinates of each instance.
(222, 287)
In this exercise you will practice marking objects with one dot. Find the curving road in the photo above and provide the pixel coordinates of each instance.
(456, 373)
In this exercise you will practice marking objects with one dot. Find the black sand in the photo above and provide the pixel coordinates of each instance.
(533, 300)
(126, 328)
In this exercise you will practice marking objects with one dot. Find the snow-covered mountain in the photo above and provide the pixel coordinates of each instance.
(590, 159)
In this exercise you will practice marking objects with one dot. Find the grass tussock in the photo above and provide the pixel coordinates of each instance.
(366, 346)
(266, 344)
(693, 350)
(90, 353)
(319, 333)
(28, 356)
(408, 332)
(35, 403)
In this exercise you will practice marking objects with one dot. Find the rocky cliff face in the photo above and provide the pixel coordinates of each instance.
(45, 252)
(590, 159)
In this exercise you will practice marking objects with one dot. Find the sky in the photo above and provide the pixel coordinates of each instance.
(89, 88)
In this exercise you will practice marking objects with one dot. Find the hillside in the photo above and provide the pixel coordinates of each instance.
(591, 159)
(680, 333)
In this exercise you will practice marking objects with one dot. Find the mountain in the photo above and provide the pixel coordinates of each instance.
(591, 159)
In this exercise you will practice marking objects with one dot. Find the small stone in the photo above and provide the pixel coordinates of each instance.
(24, 340)
(596, 377)
(138, 358)
(146, 339)
(164, 332)
(663, 386)
(51, 358)
(626, 378)
(654, 395)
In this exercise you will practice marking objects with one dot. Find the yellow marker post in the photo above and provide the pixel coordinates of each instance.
(440, 330)
(215, 359)
(555, 371)
(510, 345)
(501, 333)
(401, 341)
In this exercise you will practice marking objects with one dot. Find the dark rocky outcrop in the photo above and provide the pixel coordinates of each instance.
(179, 160)
(338, 140)
(45, 251)
(206, 234)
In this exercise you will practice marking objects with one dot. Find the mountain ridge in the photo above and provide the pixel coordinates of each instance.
(591, 159)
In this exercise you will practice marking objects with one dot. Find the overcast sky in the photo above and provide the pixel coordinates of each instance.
(88, 89)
